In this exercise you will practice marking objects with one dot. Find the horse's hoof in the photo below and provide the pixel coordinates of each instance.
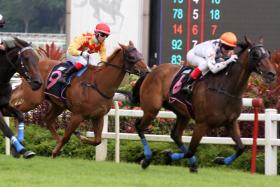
(193, 168)
(28, 154)
(219, 160)
(77, 133)
(54, 155)
(145, 163)
(167, 153)
(14, 152)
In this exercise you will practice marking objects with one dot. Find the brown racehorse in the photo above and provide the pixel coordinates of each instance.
(89, 96)
(216, 101)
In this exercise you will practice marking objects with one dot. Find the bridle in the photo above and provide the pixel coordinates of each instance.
(256, 53)
(18, 65)
(130, 61)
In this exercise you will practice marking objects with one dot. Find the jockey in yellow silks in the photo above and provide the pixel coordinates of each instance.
(82, 46)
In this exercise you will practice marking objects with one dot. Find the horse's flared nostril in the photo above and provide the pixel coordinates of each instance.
(271, 76)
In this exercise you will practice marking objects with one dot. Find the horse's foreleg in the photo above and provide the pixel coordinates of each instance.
(235, 135)
(198, 132)
(97, 129)
(176, 135)
(50, 118)
(13, 112)
(17, 147)
(75, 121)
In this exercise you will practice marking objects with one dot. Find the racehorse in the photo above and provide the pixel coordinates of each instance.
(216, 101)
(89, 96)
(19, 57)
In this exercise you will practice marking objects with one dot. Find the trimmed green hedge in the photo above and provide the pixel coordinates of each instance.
(39, 140)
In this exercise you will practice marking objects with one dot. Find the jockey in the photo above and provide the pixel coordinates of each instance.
(213, 55)
(2, 23)
(82, 46)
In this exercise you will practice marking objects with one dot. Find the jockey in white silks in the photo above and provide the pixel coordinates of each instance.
(213, 55)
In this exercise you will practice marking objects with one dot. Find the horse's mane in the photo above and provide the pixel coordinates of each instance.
(275, 57)
(12, 43)
(110, 58)
(242, 46)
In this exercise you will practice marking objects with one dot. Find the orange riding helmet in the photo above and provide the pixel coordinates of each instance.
(229, 39)
(102, 28)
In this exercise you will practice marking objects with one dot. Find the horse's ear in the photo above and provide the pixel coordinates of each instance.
(131, 43)
(261, 39)
(18, 42)
(248, 41)
(122, 46)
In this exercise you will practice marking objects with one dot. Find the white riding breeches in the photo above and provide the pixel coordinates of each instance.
(85, 61)
(197, 61)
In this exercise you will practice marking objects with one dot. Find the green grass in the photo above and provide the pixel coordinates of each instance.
(42, 171)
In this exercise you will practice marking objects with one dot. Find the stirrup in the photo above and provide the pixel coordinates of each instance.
(62, 80)
(188, 88)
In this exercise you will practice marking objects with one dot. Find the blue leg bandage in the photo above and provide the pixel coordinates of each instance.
(147, 150)
(17, 144)
(228, 160)
(21, 131)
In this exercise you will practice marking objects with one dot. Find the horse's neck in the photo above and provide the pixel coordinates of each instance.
(6, 71)
(110, 78)
(232, 80)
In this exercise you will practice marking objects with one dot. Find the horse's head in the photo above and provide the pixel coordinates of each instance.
(24, 60)
(134, 61)
(259, 60)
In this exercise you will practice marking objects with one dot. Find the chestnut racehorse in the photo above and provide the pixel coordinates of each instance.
(89, 96)
(216, 101)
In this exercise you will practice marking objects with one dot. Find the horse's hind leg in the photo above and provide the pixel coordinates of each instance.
(235, 134)
(140, 126)
(97, 129)
(176, 135)
(75, 121)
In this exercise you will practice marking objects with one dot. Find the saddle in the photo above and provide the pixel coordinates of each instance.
(58, 89)
(176, 93)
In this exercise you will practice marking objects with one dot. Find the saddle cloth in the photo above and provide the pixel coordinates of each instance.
(58, 89)
(176, 93)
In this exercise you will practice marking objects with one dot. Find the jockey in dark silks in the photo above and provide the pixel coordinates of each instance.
(2, 23)
(16, 142)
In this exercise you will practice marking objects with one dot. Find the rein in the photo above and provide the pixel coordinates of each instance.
(121, 67)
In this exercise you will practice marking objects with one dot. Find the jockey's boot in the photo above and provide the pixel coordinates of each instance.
(66, 73)
(187, 87)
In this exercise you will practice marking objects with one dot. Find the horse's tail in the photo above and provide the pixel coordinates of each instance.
(132, 97)
(136, 90)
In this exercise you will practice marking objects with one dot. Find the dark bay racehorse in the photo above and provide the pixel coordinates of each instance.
(216, 101)
(89, 96)
(19, 57)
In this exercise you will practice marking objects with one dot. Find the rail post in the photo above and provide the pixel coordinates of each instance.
(270, 151)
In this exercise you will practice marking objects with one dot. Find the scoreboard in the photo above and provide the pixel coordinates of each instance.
(177, 25)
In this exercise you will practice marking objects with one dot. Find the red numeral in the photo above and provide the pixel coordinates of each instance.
(177, 28)
(214, 28)
(195, 29)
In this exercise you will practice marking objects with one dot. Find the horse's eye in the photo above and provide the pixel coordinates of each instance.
(131, 58)
(257, 54)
